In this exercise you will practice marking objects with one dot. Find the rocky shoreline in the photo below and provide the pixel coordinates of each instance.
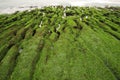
(102, 4)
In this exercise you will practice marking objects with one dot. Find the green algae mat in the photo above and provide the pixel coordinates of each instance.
(57, 43)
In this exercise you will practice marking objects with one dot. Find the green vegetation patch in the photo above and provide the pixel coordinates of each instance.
(60, 43)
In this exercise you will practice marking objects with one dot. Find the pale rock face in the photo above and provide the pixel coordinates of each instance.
(64, 14)
(80, 19)
(43, 14)
(58, 27)
(20, 50)
(63, 17)
(68, 9)
(86, 17)
(40, 24)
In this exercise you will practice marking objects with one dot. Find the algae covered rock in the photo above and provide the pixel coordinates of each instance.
(41, 44)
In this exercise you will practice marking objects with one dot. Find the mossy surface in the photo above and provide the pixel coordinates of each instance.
(57, 43)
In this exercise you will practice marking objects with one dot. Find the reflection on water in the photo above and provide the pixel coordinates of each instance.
(8, 6)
